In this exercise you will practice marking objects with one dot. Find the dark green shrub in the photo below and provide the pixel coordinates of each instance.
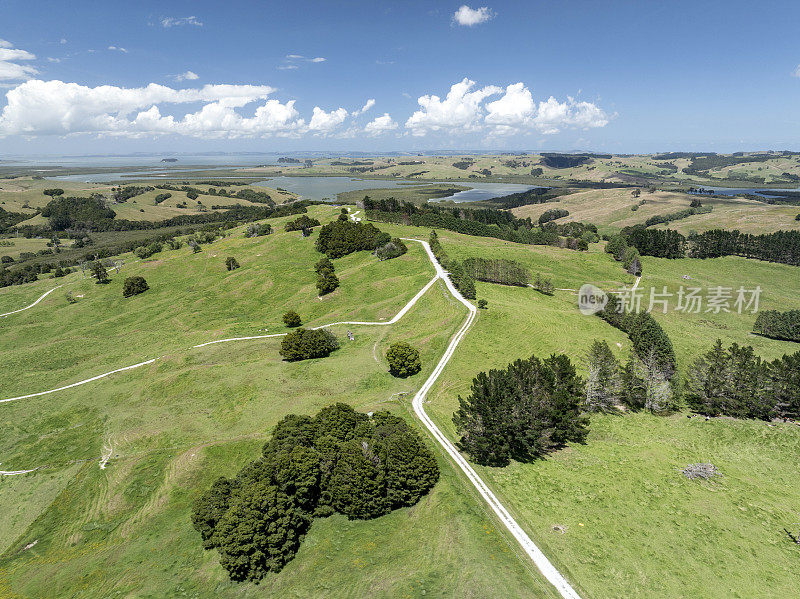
(302, 222)
(391, 249)
(327, 281)
(257, 230)
(231, 263)
(403, 359)
(99, 272)
(302, 344)
(134, 286)
(292, 319)
(552, 214)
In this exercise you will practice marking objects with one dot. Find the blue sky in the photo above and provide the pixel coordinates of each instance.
(623, 76)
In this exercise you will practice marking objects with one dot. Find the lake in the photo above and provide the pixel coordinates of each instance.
(318, 188)
(310, 188)
(484, 191)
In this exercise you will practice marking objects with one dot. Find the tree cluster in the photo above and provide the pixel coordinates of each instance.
(781, 246)
(304, 344)
(543, 285)
(327, 281)
(250, 195)
(99, 272)
(552, 214)
(71, 213)
(498, 270)
(145, 251)
(735, 382)
(123, 194)
(642, 383)
(391, 249)
(483, 222)
(680, 214)
(661, 243)
(778, 325)
(302, 223)
(91, 214)
(649, 375)
(537, 195)
(9, 219)
(339, 460)
(523, 412)
(342, 237)
(618, 247)
(460, 276)
(258, 229)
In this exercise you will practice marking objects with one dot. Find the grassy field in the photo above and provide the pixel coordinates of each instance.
(25, 195)
(637, 169)
(635, 527)
(632, 525)
(196, 414)
(21, 244)
(612, 209)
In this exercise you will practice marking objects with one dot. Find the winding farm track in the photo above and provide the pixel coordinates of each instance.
(44, 295)
(544, 565)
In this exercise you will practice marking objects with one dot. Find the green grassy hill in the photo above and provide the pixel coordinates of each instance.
(615, 208)
(24, 194)
(195, 414)
(630, 523)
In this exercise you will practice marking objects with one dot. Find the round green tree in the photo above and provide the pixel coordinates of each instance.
(134, 286)
(403, 359)
(292, 319)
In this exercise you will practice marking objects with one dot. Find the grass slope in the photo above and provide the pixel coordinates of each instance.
(635, 527)
(611, 210)
(176, 425)
(25, 195)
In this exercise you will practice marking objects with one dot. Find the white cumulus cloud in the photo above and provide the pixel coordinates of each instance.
(58, 108)
(514, 112)
(118, 49)
(369, 104)
(178, 21)
(469, 17)
(460, 112)
(380, 125)
(324, 123)
(187, 76)
(10, 69)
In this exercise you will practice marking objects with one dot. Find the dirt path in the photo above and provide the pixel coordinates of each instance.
(44, 295)
(396, 317)
(545, 566)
